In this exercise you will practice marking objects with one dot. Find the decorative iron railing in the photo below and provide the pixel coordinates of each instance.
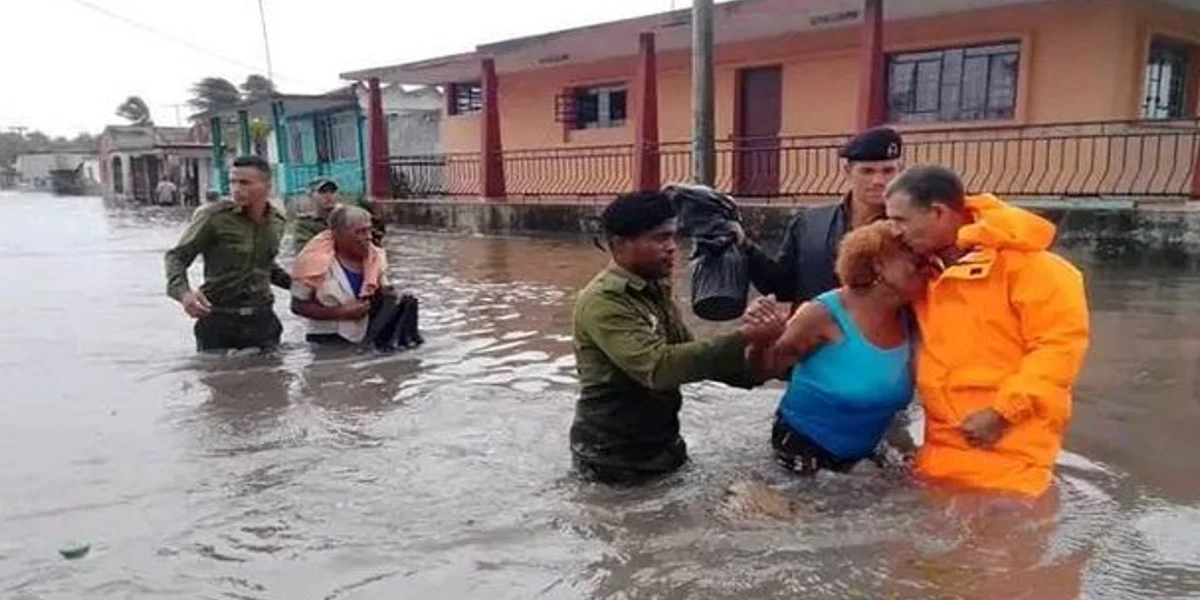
(1123, 159)
(429, 175)
(574, 171)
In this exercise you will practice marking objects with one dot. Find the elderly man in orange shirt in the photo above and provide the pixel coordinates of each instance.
(1004, 331)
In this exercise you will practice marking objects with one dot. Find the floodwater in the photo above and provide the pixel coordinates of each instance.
(444, 472)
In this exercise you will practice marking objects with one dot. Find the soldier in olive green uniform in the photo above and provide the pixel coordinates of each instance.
(633, 351)
(324, 193)
(238, 240)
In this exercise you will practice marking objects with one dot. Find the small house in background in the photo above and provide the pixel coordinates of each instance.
(303, 137)
(134, 158)
(58, 172)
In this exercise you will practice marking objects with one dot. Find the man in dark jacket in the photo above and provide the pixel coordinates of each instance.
(804, 268)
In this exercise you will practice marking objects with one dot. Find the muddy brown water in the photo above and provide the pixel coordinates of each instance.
(444, 473)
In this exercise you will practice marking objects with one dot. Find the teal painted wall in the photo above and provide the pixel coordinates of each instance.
(347, 172)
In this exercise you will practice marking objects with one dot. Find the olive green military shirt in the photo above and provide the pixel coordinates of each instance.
(239, 256)
(633, 352)
(305, 228)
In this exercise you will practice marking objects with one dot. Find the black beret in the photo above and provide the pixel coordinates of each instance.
(633, 214)
(879, 143)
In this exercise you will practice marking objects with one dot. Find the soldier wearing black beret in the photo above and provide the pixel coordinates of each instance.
(804, 268)
(633, 350)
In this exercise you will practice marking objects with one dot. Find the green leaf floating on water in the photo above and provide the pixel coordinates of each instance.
(73, 551)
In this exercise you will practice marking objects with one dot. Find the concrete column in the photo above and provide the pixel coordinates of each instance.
(872, 86)
(492, 158)
(244, 133)
(279, 124)
(379, 181)
(646, 162)
(127, 167)
(204, 178)
(219, 172)
(126, 175)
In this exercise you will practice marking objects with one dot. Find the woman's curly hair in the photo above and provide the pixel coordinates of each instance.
(861, 251)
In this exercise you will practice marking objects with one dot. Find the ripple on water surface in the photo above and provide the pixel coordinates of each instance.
(443, 471)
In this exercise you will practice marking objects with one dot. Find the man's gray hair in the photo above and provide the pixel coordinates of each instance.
(348, 217)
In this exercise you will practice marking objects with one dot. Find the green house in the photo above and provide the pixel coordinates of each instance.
(302, 136)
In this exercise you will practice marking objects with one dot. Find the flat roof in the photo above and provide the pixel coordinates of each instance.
(734, 21)
(302, 103)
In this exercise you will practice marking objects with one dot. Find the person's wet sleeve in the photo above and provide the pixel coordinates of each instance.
(192, 243)
(1051, 303)
(625, 336)
(280, 277)
(771, 276)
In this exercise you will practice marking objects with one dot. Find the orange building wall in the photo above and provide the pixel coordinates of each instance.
(1081, 60)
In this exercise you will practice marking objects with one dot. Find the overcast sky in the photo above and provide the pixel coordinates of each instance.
(65, 65)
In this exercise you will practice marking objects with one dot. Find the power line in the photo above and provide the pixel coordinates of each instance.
(172, 37)
(262, 18)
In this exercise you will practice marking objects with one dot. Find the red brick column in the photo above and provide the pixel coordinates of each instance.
(492, 159)
(380, 180)
(872, 87)
(646, 162)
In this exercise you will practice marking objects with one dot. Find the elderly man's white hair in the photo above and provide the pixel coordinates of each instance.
(348, 217)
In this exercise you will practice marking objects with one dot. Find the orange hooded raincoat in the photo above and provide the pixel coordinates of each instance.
(1005, 328)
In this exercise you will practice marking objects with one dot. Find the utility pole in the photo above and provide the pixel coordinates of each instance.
(703, 129)
(178, 115)
(262, 18)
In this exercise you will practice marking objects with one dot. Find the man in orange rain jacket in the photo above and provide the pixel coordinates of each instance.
(1004, 330)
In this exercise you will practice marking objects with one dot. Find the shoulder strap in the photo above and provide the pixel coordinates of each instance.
(832, 301)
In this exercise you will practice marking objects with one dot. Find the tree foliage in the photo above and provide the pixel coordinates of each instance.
(257, 87)
(135, 110)
(214, 93)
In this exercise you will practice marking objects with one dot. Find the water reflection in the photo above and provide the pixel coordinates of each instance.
(444, 471)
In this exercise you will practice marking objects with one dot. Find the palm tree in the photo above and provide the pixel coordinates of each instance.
(134, 110)
(257, 87)
(214, 93)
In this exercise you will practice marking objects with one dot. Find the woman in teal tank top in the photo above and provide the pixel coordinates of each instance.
(847, 355)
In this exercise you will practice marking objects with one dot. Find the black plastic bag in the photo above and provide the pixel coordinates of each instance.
(720, 284)
(719, 271)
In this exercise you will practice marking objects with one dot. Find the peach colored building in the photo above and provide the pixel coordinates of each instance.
(1024, 97)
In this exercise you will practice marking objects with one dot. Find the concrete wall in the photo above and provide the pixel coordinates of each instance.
(414, 119)
(1125, 234)
(414, 132)
(1081, 60)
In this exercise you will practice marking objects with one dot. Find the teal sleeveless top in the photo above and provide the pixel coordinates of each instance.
(844, 395)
